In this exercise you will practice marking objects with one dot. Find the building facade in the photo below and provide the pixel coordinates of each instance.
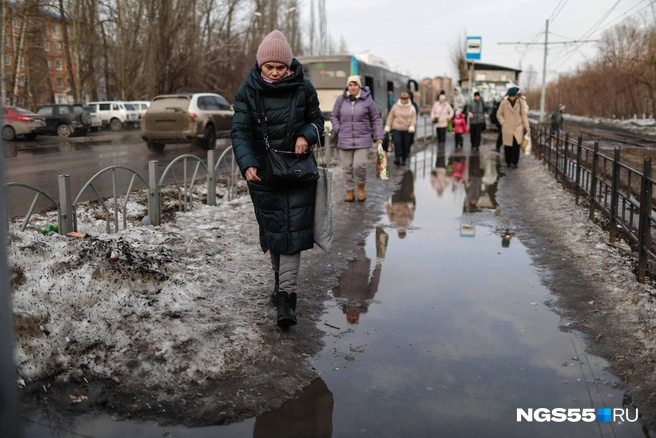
(42, 69)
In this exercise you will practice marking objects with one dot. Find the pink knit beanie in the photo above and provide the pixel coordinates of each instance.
(274, 48)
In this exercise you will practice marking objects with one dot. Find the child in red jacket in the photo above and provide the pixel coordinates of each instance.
(459, 127)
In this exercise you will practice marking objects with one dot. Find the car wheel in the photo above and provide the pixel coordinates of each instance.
(31, 136)
(8, 133)
(115, 125)
(64, 130)
(155, 147)
(209, 139)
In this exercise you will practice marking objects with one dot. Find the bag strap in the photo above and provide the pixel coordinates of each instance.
(262, 118)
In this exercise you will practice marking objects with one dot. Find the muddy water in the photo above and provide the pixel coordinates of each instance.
(439, 328)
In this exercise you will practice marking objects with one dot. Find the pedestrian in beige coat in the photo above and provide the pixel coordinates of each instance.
(514, 120)
(401, 121)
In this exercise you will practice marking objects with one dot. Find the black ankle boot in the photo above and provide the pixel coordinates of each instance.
(286, 307)
(276, 289)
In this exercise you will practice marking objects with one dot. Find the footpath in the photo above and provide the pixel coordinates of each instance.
(459, 292)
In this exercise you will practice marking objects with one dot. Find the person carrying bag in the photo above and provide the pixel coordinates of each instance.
(276, 93)
(355, 118)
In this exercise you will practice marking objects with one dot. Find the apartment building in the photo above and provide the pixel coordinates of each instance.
(44, 77)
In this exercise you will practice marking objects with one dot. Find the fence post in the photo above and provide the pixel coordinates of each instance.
(644, 237)
(549, 143)
(556, 170)
(614, 195)
(154, 207)
(211, 177)
(579, 145)
(593, 180)
(565, 160)
(66, 205)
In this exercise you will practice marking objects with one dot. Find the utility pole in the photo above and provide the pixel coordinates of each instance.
(544, 66)
(544, 72)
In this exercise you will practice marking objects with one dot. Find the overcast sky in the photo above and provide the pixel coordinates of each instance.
(415, 35)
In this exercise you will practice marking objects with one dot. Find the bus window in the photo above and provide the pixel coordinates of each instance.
(369, 83)
(390, 95)
(328, 74)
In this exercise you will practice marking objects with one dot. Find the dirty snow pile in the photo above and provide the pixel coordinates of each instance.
(165, 307)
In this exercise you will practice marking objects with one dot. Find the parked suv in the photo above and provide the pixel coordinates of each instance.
(96, 123)
(18, 121)
(84, 116)
(115, 115)
(61, 120)
(141, 106)
(183, 118)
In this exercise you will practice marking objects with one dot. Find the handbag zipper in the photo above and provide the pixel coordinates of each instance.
(353, 121)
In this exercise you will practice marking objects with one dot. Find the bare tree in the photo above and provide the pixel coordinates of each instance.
(458, 55)
(312, 30)
(343, 46)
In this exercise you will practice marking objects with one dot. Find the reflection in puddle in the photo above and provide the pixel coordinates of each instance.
(400, 207)
(357, 285)
(308, 415)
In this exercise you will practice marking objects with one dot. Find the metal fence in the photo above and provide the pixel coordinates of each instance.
(620, 193)
(67, 207)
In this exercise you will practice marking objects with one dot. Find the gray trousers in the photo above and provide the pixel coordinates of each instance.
(287, 267)
(354, 165)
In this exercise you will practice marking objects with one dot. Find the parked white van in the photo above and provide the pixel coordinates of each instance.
(115, 115)
(141, 106)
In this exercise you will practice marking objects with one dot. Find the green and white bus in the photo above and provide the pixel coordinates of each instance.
(328, 74)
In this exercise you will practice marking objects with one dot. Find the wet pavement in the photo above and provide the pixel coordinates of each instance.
(39, 163)
(440, 327)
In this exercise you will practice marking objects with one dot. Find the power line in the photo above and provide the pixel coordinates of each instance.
(613, 23)
(569, 53)
(608, 26)
(553, 18)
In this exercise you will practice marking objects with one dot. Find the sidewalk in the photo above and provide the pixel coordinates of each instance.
(441, 321)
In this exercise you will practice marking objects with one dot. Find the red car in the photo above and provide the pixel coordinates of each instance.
(19, 121)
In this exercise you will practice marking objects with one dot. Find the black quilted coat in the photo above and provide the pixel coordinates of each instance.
(284, 210)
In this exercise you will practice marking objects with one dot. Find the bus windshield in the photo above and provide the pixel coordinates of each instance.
(327, 75)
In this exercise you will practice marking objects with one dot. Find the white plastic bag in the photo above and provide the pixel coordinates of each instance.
(526, 144)
(382, 168)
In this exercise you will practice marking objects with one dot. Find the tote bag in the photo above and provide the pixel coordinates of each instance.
(322, 228)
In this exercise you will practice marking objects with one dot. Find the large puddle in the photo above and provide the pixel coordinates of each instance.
(439, 328)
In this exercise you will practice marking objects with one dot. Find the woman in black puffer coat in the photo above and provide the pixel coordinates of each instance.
(284, 210)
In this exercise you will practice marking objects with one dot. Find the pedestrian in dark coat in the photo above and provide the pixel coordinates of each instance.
(284, 210)
(557, 118)
(477, 115)
(355, 118)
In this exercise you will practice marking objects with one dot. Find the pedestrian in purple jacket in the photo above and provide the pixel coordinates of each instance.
(354, 118)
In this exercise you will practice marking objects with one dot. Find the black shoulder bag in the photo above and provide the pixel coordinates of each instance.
(285, 165)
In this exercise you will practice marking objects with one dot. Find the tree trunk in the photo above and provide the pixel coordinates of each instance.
(69, 61)
(19, 55)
